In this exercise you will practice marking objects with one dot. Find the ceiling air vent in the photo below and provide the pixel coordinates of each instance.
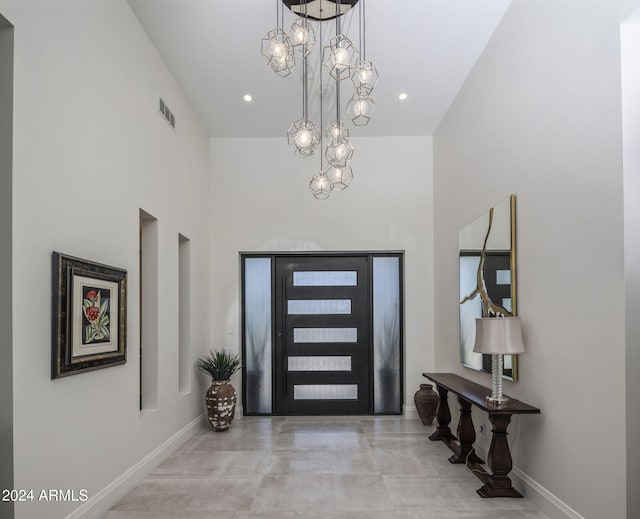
(167, 114)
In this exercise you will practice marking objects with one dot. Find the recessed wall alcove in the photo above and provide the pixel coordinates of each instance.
(6, 211)
(630, 54)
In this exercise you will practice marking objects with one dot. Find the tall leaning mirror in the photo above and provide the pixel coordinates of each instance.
(487, 257)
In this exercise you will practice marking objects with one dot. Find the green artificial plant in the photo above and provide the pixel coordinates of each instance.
(219, 365)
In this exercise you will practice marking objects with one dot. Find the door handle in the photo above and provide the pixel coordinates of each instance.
(283, 325)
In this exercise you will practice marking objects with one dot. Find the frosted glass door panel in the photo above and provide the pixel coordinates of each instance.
(325, 278)
(311, 363)
(317, 335)
(325, 392)
(319, 306)
(386, 335)
(257, 329)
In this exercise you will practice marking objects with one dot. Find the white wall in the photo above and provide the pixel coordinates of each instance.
(540, 116)
(6, 312)
(261, 202)
(630, 38)
(90, 149)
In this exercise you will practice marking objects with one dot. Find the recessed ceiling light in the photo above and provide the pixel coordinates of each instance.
(402, 96)
(247, 98)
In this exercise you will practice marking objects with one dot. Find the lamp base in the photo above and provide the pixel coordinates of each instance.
(496, 380)
(497, 399)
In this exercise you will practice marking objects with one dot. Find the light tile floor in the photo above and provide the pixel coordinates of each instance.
(315, 467)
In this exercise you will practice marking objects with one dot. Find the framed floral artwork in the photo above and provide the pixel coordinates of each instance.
(89, 316)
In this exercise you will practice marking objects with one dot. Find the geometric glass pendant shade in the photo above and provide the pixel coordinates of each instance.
(339, 152)
(302, 36)
(278, 52)
(303, 137)
(340, 57)
(321, 186)
(340, 177)
(336, 131)
(360, 108)
(364, 77)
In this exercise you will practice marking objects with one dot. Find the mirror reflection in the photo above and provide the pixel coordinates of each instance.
(487, 279)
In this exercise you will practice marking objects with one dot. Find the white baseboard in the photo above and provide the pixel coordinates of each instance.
(98, 505)
(549, 503)
(410, 412)
(546, 501)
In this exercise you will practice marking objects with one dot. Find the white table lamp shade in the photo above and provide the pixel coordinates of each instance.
(498, 335)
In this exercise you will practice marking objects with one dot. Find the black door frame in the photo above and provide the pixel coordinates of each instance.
(320, 254)
(282, 399)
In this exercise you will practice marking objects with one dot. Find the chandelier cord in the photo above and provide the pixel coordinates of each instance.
(363, 45)
(304, 87)
(360, 25)
(338, 101)
(305, 101)
(321, 120)
(338, 30)
(305, 94)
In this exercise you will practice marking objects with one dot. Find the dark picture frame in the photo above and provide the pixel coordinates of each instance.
(89, 316)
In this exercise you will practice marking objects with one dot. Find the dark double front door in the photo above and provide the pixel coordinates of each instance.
(323, 345)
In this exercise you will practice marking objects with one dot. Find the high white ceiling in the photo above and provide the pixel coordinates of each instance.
(425, 48)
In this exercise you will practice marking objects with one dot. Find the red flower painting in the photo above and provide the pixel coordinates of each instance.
(95, 309)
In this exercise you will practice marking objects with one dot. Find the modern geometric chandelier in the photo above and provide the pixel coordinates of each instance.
(341, 59)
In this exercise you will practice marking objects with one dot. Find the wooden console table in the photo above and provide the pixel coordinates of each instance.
(496, 484)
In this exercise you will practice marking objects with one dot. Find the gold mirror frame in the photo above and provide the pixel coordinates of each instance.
(487, 279)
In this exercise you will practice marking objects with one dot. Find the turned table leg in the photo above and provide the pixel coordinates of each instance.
(466, 435)
(443, 432)
(499, 461)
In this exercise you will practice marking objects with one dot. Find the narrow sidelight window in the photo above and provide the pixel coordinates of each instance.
(387, 334)
(257, 314)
